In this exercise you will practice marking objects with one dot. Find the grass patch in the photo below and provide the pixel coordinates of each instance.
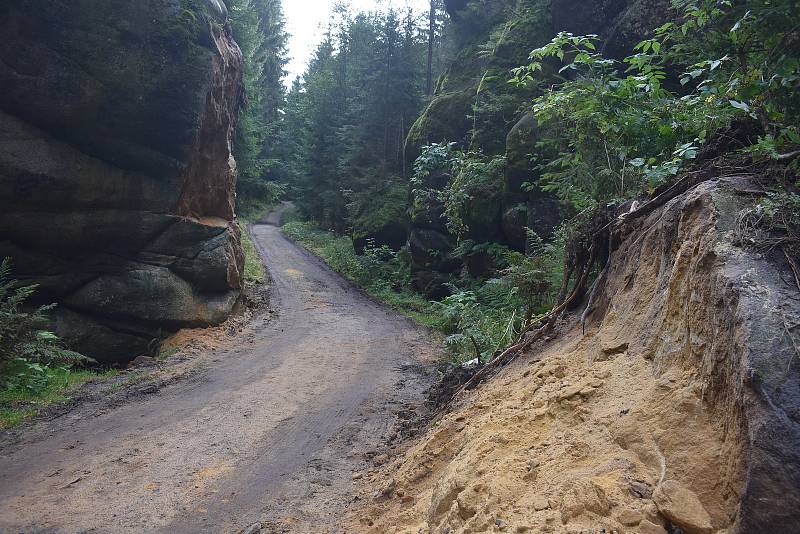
(166, 354)
(18, 404)
(254, 271)
(380, 271)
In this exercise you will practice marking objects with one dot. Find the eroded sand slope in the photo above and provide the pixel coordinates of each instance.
(676, 408)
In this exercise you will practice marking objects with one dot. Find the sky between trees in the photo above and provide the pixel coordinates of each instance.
(306, 21)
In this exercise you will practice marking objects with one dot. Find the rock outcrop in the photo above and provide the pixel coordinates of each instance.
(677, 408)
(117, 184)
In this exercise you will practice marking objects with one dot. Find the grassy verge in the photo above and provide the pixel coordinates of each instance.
(479, 318)
(20, 403)
(254, 272)
(380, 271)
(250, 211)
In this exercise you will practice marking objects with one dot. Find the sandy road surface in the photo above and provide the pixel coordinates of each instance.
(270, 430)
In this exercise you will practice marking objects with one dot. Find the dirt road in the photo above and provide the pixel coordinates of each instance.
(270, 430)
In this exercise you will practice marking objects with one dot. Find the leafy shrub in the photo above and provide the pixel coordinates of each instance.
(27, 350)
(481, 318)
(609, 135)
(469, 174)
(613, 129)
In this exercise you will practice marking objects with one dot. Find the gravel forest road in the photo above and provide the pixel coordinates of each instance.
(270, 430)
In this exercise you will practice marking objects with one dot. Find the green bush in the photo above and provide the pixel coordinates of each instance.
(611, 130)
(482, 317)
(471, 175)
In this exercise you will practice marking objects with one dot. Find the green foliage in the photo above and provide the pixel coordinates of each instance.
(614, 129)
(476, 329)
(33, 363)
(607, 135)
(26, 347)
(483, 317)
(470, 174)
(19, 401)
(749, 57)
(259, 29)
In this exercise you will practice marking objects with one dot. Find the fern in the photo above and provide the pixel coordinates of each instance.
(24, 338)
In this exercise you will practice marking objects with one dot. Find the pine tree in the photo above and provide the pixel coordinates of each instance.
(259, 28)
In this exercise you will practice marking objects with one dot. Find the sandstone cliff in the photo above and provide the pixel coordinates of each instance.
(117, 184)
(678, 408)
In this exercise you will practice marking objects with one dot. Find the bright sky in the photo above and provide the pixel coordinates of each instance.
(306, 21)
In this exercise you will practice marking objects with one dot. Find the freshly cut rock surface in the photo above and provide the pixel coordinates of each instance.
(117, 184)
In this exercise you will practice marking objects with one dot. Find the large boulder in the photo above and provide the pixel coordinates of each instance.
(525, 205)
(117, 184)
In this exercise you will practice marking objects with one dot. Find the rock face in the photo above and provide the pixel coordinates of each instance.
(728, 319)
(682, 507)
(117, 183)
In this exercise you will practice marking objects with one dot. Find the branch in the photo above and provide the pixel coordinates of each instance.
(788, 157)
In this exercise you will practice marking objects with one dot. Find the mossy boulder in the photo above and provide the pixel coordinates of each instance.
(482, 213)
(444, 120)
(383, 221)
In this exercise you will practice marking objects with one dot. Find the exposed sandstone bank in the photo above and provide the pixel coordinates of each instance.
(678, 408)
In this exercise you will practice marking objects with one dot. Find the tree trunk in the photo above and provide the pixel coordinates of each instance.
(431, 39)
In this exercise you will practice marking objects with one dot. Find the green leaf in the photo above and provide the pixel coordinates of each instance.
(638, 162)
(793, 136)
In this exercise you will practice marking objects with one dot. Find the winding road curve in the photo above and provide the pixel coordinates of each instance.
(270, 430)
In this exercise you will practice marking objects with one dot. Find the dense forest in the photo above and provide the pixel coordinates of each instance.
(457, 201)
